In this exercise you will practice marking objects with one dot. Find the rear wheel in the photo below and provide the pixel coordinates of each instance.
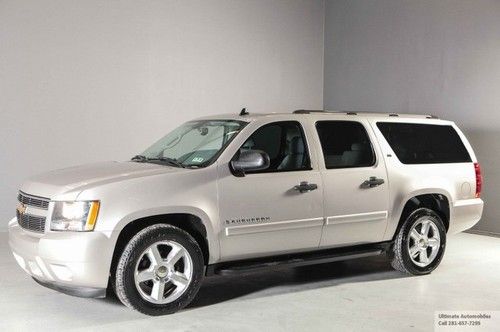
(420, 244)
(159, 271)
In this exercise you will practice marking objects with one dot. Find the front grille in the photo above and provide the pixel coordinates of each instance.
(31, 223)
(35, 201)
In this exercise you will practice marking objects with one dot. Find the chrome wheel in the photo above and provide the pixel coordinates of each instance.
(424, 242)
(163, 272)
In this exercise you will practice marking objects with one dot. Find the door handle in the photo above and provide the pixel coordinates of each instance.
(305, 186)
(373, 181)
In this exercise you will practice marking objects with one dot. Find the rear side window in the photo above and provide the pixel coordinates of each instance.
(345, 144)
(424, 144)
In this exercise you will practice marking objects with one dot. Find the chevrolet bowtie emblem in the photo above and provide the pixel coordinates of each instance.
(21, 208)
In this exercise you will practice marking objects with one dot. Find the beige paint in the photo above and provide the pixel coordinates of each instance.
(439, 57)
(85, 81)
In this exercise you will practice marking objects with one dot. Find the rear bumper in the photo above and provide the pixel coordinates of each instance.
(73, 263)
(465, 214)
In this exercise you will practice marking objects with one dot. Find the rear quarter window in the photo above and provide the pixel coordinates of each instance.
(424, 143)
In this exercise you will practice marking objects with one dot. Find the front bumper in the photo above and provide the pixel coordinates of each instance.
(74, 290)
(73, 263)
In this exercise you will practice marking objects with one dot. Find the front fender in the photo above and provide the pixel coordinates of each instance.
(213, 242)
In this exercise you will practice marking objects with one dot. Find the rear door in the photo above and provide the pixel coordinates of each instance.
(354, 183)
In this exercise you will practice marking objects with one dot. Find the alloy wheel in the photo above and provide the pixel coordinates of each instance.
(424, 242)
(163, 272)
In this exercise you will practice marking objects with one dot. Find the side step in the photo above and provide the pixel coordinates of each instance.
(298, 259)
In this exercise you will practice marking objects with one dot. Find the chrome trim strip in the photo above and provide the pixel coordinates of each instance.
(358, 217)
(36, 212)
(34, 196)
(274, 226)
(32, 200)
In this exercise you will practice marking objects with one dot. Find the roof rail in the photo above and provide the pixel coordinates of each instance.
(302, 111)
(308, 111)
(323, 111)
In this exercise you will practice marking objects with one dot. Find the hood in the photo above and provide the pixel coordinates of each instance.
(73, 180)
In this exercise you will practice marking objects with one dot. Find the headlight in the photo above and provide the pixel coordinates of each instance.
(74, 216)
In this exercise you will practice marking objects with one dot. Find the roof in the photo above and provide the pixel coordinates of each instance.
(320, 113)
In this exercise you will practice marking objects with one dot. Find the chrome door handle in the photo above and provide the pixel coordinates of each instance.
(305, 186)
(373, 181)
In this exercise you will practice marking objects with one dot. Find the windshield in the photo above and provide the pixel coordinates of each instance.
(194, 144)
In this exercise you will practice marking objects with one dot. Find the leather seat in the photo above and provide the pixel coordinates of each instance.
(354, 156)
(295, 157)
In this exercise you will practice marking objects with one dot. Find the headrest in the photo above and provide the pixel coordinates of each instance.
(297, 145)
(357, 147)
(248, 145)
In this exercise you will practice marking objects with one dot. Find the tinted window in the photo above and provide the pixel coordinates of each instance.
(285, 144)
(345, 144)
(424, 144)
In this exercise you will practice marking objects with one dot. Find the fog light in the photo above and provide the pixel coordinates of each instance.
(35, 269)
(20, 261)
(62, 272)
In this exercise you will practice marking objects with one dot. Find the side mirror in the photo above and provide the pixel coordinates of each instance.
(250, 160)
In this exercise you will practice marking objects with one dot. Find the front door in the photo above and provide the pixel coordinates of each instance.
(355, 184)
(266, 212)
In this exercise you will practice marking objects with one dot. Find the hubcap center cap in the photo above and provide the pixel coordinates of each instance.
(423, 243)
(162, 271)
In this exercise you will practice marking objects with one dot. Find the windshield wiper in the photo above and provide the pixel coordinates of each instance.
(139, 158)
(170, 161)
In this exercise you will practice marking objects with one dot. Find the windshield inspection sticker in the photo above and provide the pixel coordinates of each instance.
(466, 320)
(197, 160)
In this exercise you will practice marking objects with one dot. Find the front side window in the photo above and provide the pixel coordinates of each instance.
(194, 144)
(285, 144)
(345, 144)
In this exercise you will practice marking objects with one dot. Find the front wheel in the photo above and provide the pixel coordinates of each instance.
(420, 244)
(159, 271)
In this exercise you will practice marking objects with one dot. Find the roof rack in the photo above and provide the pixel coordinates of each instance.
(308, 111)
(322, 111)
(301, 111)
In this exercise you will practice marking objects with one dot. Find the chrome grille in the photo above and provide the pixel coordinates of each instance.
(32, 219)
(31, 223)
(35, 201)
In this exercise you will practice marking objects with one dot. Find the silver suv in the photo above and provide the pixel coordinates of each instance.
(233, 193)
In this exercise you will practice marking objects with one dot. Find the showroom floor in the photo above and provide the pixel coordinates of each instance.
(359, 295)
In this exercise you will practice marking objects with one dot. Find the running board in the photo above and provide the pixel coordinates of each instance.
(298, 259)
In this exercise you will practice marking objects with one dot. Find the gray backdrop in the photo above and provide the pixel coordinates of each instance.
(440, 57)
(83, 81)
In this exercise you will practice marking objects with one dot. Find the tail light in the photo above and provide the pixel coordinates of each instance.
(479, 179)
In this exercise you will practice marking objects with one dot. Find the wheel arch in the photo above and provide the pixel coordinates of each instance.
(195, 223)
(437, 200)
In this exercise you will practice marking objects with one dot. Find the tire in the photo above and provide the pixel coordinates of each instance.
(409, 251)
(181, 280)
